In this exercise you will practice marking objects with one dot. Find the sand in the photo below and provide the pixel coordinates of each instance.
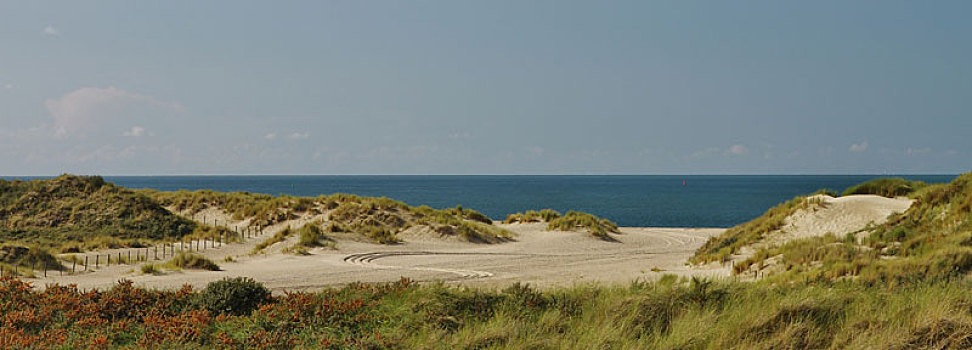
(538, 257)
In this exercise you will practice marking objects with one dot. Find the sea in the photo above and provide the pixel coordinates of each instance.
(628, 200)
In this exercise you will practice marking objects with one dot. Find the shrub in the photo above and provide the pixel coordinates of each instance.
(233, 296)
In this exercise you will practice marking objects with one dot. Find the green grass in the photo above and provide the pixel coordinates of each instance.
(886, 187)
(191, 261)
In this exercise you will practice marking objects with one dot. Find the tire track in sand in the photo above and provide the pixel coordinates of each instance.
(367, 260)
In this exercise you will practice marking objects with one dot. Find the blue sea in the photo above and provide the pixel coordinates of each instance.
(650, 200)
(663, 201)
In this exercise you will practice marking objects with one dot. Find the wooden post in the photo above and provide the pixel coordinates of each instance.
(96, 259)
(45, 269)
(74, 263)
(157, 252)
(86, 263)
(109, 259)
(130, 256)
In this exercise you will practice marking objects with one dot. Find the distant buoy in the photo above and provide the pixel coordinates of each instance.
(683, 182)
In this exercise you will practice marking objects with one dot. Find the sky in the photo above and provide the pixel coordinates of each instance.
(485, 87)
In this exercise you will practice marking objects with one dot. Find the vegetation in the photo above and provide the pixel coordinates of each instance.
(886, 187)
(191, 261)
(573, 220)
(545, 215)
(72, 213)
(671, 313)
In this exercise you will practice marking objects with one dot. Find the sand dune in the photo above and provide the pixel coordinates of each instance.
(840, 216)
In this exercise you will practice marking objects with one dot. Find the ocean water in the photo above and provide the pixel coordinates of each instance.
(662, 201)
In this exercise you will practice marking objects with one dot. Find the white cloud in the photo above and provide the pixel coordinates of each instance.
(50, 31)
(951, 152)
(737, 150)
(83, 108)
(8, 86)
(270, 136)
(136, 131)
(298, 136)
(916, 151)
(459, 135)
(858, 147)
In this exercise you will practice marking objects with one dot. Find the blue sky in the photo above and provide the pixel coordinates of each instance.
(489, 87)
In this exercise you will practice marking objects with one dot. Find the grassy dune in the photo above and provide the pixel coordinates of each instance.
(573, 220)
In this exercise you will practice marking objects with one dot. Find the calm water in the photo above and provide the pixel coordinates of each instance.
(704, 201)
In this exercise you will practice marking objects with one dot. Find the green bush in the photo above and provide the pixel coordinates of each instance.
(233, 296)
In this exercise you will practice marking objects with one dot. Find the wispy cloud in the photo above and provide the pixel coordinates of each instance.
(298, 136)
(270, 136)
(858, 147)
(733, 150)
(51, 31)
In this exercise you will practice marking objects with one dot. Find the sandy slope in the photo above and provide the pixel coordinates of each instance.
(537, 256)
(840, 216)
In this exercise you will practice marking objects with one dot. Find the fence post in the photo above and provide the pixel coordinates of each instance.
(109, 259)
(45, 268)
(86, 263)
(96, 259)
(130, 257)
(74, 263)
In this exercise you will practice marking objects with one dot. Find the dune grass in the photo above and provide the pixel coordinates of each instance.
(886, 187)
(278, 237)
(545, 215)
(573, 220)
(189, 261)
